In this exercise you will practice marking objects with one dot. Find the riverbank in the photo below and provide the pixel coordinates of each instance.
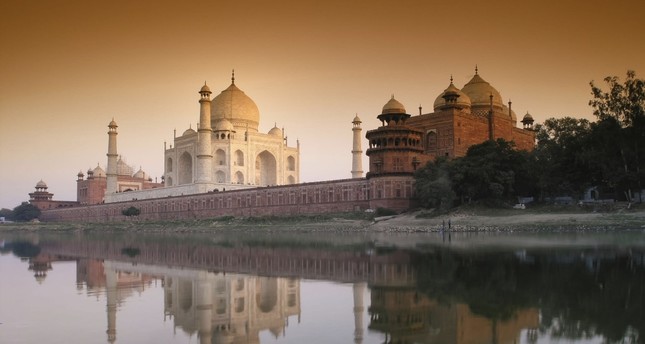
(463, 219)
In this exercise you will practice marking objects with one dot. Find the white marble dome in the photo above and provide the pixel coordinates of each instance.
(480, 91)
(463, 100)
(234, 105)
(223, 125)
(275, 131)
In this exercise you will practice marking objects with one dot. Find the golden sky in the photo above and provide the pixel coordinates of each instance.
(68, 67)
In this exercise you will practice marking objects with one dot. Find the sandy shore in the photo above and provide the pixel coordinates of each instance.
(459, 221)
(515, 220)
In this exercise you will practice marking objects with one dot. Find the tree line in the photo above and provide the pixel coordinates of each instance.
(571, 156)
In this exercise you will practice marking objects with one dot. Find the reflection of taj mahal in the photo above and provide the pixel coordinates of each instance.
(231, 308)
(218, 308)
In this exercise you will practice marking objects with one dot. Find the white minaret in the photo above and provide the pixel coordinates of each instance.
(359, 290)
(112, 156)
(203, 171)
(357, 151)
(112, 300)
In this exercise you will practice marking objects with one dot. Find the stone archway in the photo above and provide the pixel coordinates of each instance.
(265, 169)
(266, 294)
(185, 169)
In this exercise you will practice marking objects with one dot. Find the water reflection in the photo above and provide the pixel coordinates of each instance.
(223, 291)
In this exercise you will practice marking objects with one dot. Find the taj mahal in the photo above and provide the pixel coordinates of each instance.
(226, 152)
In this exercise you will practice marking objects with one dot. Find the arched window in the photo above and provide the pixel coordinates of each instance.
(169, 165)
(239, 177)
(291, 180)
(431, 142)
(220, 177)
(291, 163)
(265, 169)
(185, 169)
(220, 157)
(169, 181)
(239, 158)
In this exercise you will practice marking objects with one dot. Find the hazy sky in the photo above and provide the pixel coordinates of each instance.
(68, 67)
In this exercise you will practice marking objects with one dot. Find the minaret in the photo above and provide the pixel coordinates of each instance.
(359, 290)
(112, 299)
(357, 151)
(203, 171)
(112, 157)
(204, 307)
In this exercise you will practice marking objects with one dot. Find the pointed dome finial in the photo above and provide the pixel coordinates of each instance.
(476, 70)
(233, 77)
(392, 95)
(451, 79)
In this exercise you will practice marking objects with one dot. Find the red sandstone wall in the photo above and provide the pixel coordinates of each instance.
(347, 195)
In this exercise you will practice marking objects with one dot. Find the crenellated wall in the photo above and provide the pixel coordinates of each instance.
(393, 192)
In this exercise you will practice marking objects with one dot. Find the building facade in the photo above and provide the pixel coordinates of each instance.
(226, 152)
(461, 118)
(91, 189)
(44, 200)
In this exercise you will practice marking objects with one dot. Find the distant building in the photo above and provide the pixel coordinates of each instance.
(91, 190)
(226, 152)
(461, 118)
(43, 199)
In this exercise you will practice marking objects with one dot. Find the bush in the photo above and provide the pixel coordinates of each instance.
(385, 212)
(132, 211)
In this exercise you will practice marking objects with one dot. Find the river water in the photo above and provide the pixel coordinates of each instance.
(282, 287)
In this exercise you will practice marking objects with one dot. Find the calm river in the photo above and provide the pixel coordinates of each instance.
(322, 288)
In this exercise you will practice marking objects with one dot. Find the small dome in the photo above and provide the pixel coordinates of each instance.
(463, 99)
(356, 120)
(393, 106)
(527, 118)
(99, 172)
(224, 125)
(90, 172)
(480, 91)
(80, 173)
(140, 174)
(205, 89)
(41, 185)
(112, 124)
(189, 131)
(123, 169)
(275, 131)
(234, 105)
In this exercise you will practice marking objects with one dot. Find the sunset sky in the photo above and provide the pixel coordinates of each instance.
(68, 67)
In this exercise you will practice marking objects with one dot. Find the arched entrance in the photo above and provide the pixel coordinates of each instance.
(265, 169)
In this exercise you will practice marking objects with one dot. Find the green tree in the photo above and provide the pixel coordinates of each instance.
(489, 171)
(6, 213)
(624, 102)
(25, 212)
(560, 158)
(433, 185)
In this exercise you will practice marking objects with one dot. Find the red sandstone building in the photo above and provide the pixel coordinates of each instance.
(91, 190)
(43, 199)
(461, 118)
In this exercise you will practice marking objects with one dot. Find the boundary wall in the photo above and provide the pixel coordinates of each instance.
(392, 192)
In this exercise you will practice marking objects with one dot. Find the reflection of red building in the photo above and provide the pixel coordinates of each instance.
(406, 316)
(43, 199)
